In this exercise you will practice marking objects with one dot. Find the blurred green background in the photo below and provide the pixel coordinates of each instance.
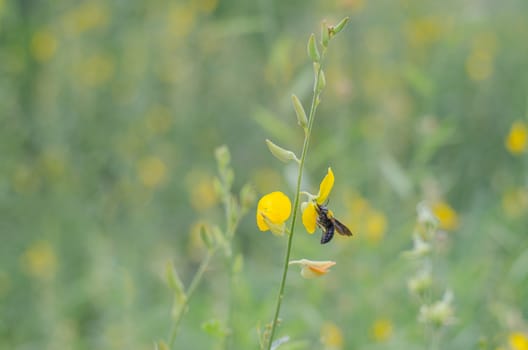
(110, 114)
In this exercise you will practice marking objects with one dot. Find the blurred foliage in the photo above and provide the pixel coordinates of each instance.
(110, 112)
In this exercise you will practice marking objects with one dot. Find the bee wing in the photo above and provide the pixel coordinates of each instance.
(341, 228)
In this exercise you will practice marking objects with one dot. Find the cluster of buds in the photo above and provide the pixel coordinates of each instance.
(440, 313)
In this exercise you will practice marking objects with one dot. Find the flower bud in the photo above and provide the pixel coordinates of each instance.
(206, 236)
(440, 313)
(281, 153)
(421, 283)
(420, 249)
(299, 111)
(247, 196)
(325, 36)
(223, 157)
(313, 52)
(426, 216)
(174, 282)
(338, 27)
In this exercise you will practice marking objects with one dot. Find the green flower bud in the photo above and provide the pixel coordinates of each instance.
(338, 27)
(247, 196)
(174, 282)
(206, 236)
(325, 36)
(299, 111)
(223, 157)
(421, 283)
(313, 52)
(280, 153)
(221, 240)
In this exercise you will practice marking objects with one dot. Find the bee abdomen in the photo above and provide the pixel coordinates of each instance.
(327, 234)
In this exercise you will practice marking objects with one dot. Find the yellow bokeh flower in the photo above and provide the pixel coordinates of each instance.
(95, 70)
(331, 336)
(375, 225)
(40, 261)
(273, 210)
(381, 330)
(152, 171)
(43, 45)
(202, 192)
(479, 65)
(312, 269)
(309, 214)
(447, 216)
(517, 139)
(515, 202)
(518, 341)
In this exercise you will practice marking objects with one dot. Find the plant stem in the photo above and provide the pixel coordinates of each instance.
(194, 283)
(313, 108)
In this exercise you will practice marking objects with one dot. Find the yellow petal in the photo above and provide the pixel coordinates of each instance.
(517, 139)
(276, 206)
(309, 217)
(316, 269)
(261, 223)
(518, 341)
(325, 187)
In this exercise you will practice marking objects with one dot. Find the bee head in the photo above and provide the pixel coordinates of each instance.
(322, 209)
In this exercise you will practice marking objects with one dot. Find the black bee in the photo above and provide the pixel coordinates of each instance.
(329, 224)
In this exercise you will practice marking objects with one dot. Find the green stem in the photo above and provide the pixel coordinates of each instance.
(435, 340)
(183, 308)
(313, 108)
(229, 310)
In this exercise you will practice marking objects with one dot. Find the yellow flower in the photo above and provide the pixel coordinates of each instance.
(201, 190)
(40, 261)
(381, 330)
(272, 211)
(331, 336)
(446, 215)
(376, 225)
(515, 202)
(309, 215)
(518, 341)
(152, 171)
(43, 45)
(312, 269)
(516, 141)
